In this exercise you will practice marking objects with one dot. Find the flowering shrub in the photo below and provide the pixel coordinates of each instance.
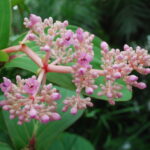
(66, 51)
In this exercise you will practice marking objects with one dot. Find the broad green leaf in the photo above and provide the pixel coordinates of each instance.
(4, 146)
(48, 132)
(65, 80)
(21, 135)
(5, 20)
(4, 137)
(68, 141)
(3, 56)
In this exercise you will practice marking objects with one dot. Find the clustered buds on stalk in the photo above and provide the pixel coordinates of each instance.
(22, 100)
(32, 99)
(119, 65)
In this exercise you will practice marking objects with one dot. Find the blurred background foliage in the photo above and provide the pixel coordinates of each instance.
(125, 126)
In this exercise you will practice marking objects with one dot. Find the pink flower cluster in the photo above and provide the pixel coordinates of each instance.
(119, 65)
(26, 101)
(31, 99)
(82, 73)
(66, 46)
(55, 38)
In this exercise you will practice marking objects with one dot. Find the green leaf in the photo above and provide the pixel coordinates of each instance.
(4, 146)
(5, 20)
(48, 132)
(4, 137)
(3, 56)
(21, 135)
(68, 141)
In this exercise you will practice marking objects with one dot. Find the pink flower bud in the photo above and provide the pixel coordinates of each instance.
(56, 116)
(126, 47)
(108, 77)
(104, 46)
(74, 111)
(21, 117)
(2, 103)
(115, 66)
(79, 34)
(31, 37)
(111, 102)
(147, 71)
(6, 107)
(117, 75)
(141, 85)
(6, 85)
(31, 85)
(84, 59)
(68, 38)
(45, 119)
(12, 111)
(32, 113)
(20, 122)
(109, 95)
(65, 108)
(132, 78)
(34, 20)
(65, 23)
(12, 116)
(55, 96)
(45, 48)
(82, 71)
(89, 90)
(120, 57)
(119, 95)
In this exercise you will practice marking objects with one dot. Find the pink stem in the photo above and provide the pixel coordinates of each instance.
(67, 69)
(38, 61)
(46, 58)
(40, 79)
(12, 49)
(41, 75)
(32, 55)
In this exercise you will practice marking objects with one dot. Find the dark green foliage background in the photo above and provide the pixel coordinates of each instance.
(125, 126)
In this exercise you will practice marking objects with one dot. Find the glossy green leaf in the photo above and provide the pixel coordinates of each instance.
(48, 132)
(21, 135)
(4, 146)
(4, 136)
(5, 20)
(65, 80)
(68, 141)
(3, 56)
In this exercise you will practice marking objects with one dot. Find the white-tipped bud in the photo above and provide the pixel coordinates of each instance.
(32, 113)
(55, 96)
(117, 75)
(45, 119)
(132, 78)
(89, 90)
(74, 111)
(104, 46)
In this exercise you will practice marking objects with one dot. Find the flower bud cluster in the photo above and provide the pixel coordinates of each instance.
(76, 103)
(27, 101)
(120, 64)
(83, 76)
(55, 38)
